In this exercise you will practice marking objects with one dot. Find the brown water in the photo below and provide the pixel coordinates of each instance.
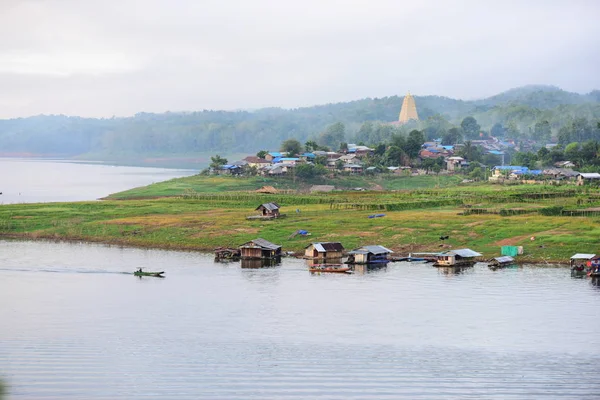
(75, 325)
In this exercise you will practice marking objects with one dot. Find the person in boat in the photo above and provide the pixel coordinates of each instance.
(139, 270)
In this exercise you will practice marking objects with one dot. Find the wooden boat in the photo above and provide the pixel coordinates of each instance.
(329, 268)
(594, 274)
(144, 273)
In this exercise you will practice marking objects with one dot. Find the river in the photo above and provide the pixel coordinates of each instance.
(39, 180)
(75, 324)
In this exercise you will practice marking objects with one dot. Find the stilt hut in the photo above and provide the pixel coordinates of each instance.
(269, 209)
(324, 250)
(456, 258)
(373, 254)
(260, 249)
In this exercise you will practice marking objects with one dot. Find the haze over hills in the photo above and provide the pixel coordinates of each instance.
(178, 133)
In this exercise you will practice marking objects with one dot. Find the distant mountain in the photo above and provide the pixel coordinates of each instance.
(537, 96)
(248, 131)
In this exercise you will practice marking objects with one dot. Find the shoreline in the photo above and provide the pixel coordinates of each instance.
(210, 250)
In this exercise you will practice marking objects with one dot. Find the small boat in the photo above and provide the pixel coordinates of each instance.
(329, 268)
(144, 273)
(501, 262)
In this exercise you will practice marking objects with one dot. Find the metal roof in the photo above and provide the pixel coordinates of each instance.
(265, 244)
(464, 253)
(374, 249)
(590, 175)
(269, 206)
(323, 247)
(583, 256)
(504, 259)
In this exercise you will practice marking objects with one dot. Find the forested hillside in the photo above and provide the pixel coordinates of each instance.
(515, 112)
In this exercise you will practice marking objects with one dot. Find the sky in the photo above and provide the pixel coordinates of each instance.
(120, 57)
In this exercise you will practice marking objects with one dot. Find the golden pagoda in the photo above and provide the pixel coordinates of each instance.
(409, 109)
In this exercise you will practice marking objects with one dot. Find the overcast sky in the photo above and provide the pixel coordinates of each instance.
(105, 58)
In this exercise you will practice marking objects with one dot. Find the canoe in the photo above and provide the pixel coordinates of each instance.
(144, 273)
(330, 269)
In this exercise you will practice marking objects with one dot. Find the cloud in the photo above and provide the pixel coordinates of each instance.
(121, 57)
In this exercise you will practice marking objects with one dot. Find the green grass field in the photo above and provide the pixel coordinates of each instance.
(198, 219)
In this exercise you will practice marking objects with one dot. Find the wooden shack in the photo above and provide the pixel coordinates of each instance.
(456, 258)
(269, 210)
(324, 250)
(373, 254)
(259, 249)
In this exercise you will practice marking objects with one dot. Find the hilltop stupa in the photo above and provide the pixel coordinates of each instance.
(409, 109)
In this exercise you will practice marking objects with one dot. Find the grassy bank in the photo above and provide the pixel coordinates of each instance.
(482, 218)
(218, 184)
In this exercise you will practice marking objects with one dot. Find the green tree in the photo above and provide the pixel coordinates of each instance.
(527, 159)
(262, 154)
(572, 152)
(542, 131)
(333, 135)
(497, 130)
(470, 151)
(311, 146)
(216, 162)
(470, 127)
(292, 147)
(452, 137)
(307, 171)
(413, 143)
(543, 156)
(393, 156)
(339, 165)
(320, 160)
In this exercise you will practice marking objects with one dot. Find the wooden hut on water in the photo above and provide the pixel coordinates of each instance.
(456, 258)
(324, 250)
(373, 254)
(581, 259)
(260, 249)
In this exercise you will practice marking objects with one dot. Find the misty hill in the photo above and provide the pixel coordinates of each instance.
(243, 131)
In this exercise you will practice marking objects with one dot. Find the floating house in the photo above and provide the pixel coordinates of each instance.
(324, 250)
(581, 259)
(259, 249)
(373, 254)
(456, 258)
(269, 209)
(500, 262)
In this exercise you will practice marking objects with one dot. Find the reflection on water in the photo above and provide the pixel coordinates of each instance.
(260, 263)
(368, 268)
(76, 324)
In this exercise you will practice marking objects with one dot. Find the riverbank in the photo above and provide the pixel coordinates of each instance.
(480, 218)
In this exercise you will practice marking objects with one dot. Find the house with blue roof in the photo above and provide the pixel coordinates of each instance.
(273, 154)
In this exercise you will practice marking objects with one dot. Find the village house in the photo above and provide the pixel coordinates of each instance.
(268, 210)
(256, 162)
(564, 164)
(272, 155)
(353, 168)
(583, 178)
(324, 250)
(560, 174)
(359, 150)
(455, 163)
(502, 171)
(372, 254)
(259, 249)
(456, 258)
